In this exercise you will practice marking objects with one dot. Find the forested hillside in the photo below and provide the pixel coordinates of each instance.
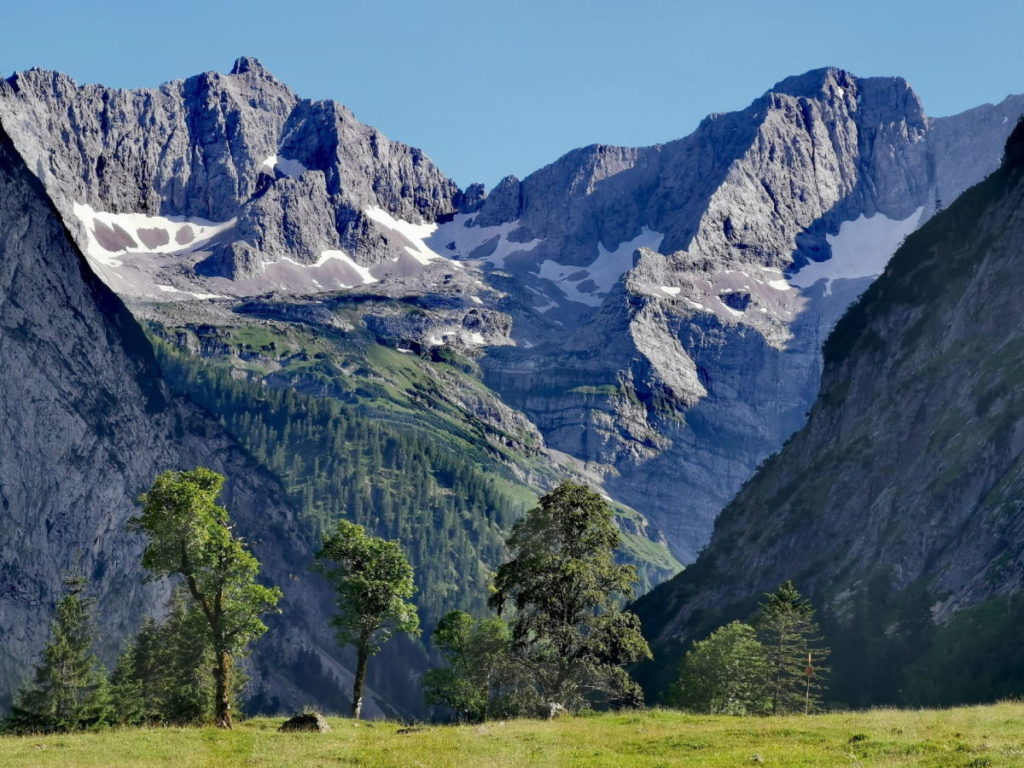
(335, 462)
(449, 507)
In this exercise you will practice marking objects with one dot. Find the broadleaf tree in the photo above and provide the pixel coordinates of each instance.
(373, 584)
(191, 536)
(565, 586)
(724, 674)
(483, 676)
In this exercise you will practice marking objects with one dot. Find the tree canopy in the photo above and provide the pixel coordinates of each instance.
(724, 674)
(165, 676)
(565, 586)
(373, 584)
(482, 678)
(191, 535)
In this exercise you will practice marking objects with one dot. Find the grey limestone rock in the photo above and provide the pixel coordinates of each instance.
(646, 308)
(307, 722)
(296, 175)
(711, 342)
(86, 423)
(906, 479)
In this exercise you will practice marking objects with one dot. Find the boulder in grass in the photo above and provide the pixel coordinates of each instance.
(555, 710)
(307, 722)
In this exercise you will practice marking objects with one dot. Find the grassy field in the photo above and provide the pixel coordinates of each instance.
(972, 737)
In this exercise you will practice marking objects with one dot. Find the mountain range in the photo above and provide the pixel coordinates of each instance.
(650, 319)
(897, 507)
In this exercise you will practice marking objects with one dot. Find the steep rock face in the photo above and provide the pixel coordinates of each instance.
(657, 312)
(754, 234)
(85, 425)
(902, 496)
(284, 177)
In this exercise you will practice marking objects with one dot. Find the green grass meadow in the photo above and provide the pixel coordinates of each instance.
(968, 737)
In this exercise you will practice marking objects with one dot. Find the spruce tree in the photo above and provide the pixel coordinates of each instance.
(69, 690)
(795, 650)
(126, 691)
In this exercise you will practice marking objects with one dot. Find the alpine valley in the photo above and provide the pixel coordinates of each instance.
(219, 272)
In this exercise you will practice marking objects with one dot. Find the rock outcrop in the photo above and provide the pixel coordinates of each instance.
(86, 423)
(284, 177)
(899, 503)
(751, 237)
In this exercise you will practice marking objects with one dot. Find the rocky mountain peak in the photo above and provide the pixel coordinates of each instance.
(755, 233)
(814, 83)
(752, 229)
(472, 198)
(261, 175)
(898, 503)
(669, 375)
(249, 65)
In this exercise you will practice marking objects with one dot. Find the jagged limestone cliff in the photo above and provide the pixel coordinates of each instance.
(754, 234)
(656, 313)
(85, 425)
(900, 503)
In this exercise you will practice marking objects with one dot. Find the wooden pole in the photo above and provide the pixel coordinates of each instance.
(807, 692)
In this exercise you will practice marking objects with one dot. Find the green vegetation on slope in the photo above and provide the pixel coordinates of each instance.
(399, 483)
(976, 737)
(387, 439)
(401, 387)
(976, 657)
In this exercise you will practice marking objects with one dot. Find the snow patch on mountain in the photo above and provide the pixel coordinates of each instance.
(588, 285)
(416, 235)
(287, 167)
(343, 257)
(189, 294)
(458, 335)
(861, 249)
(333, 270)
(111, 236)
(491, 244)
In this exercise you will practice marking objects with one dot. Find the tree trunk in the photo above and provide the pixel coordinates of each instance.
(221, 674)
(357, 687)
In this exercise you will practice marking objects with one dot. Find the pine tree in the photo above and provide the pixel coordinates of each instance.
(151, 668)
(795, 650)
(69, 691)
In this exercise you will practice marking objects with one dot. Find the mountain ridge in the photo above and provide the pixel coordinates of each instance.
(87, 423)
(898, 505)
(649, 318)
(691, 257)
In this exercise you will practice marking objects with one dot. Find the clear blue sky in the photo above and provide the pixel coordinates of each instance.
(492, 87)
